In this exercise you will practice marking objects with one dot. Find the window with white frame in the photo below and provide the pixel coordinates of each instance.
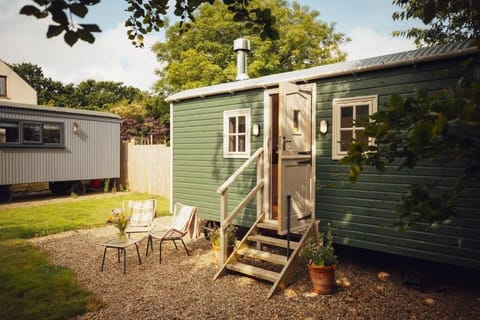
(236, 133)
(349, 118)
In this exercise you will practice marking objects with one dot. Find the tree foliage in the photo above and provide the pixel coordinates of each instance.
(442, 127)
(204, 55)
(145, 16)
(446, 20)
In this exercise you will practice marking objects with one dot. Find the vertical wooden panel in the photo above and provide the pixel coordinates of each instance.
(146, 168)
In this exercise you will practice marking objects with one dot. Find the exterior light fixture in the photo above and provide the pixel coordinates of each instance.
(256, 130)
(323, 126)
(76, 127)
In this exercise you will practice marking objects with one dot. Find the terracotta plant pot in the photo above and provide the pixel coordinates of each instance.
(323, 278)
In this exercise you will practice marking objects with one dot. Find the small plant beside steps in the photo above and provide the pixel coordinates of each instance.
(322, 261)
(215, 241)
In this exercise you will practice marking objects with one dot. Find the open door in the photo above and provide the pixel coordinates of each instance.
(295, 176)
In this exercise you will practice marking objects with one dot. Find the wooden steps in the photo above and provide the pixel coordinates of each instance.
(253, 271)
(263, 255)
(273, 241)
(267, 226)
(262, 250)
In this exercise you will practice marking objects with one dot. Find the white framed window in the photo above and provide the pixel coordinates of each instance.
(349, 118)
(236, 133)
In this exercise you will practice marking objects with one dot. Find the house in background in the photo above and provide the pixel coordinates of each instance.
(70, 149)
(13, 88)
(269, 149)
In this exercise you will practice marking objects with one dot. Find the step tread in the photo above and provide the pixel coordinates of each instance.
(273, 241)
(253, 271)
(263, 255)
(267, 226)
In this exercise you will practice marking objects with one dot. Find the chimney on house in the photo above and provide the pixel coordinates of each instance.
(241, 46)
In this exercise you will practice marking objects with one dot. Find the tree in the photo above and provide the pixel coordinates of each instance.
(145, 16)
(204, 56)
(441, 127)
(101, 95)
(49, 92)
(448, 20)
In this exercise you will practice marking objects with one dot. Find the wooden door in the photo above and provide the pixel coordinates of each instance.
(295, 156)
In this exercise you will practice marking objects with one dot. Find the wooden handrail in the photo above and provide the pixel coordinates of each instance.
(225, 218)
(239, 171)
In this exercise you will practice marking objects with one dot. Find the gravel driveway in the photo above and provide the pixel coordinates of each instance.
(182, 287)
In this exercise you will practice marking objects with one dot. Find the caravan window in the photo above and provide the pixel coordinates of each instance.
(349, 118)
(236, 133)
(14, 133)
(9, 132)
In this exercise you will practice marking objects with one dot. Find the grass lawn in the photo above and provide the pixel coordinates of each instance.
(32, 288)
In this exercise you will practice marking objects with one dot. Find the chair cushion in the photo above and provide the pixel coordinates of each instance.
(142, 213)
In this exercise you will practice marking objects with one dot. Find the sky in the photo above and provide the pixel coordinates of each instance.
(112, 57)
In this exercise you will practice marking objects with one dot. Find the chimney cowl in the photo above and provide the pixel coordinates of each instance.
(241, 46)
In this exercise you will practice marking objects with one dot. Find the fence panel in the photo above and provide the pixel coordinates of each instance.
(146, 168)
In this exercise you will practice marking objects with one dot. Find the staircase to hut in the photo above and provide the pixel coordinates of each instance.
(262, 253)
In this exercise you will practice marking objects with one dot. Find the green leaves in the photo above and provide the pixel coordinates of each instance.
(446, 21)
(443, 127)
(61, 12)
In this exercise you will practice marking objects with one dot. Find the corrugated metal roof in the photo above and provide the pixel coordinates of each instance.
(14, 105)
(331, 70)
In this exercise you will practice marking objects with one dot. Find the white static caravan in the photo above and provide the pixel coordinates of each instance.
(62, 146)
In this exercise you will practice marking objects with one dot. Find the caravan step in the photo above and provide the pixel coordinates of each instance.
(267, 226)
(263, 255)
(253, 271)
(273, 241)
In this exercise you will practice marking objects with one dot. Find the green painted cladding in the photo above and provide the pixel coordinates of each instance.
(199, 166)
(362, 214)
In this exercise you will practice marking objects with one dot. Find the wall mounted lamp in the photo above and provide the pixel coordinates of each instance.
(323, 126)
(256, 130)
(76, 127)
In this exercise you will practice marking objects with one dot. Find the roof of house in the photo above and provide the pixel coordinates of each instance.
(67, 111)
(336, 69)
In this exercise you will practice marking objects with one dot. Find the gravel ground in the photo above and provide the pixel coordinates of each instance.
(182, 287)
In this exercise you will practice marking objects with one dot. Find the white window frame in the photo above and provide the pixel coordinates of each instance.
(371, 101)
(226, 116)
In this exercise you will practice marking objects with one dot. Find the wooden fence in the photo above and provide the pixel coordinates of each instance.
(146, 168)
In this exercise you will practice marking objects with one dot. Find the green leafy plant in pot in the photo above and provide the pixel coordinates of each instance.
(322, 261)
(215, 241)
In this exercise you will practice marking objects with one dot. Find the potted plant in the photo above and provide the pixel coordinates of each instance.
(322, 262)
(215, 241)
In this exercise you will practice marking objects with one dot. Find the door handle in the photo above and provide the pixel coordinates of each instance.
(284, 143)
